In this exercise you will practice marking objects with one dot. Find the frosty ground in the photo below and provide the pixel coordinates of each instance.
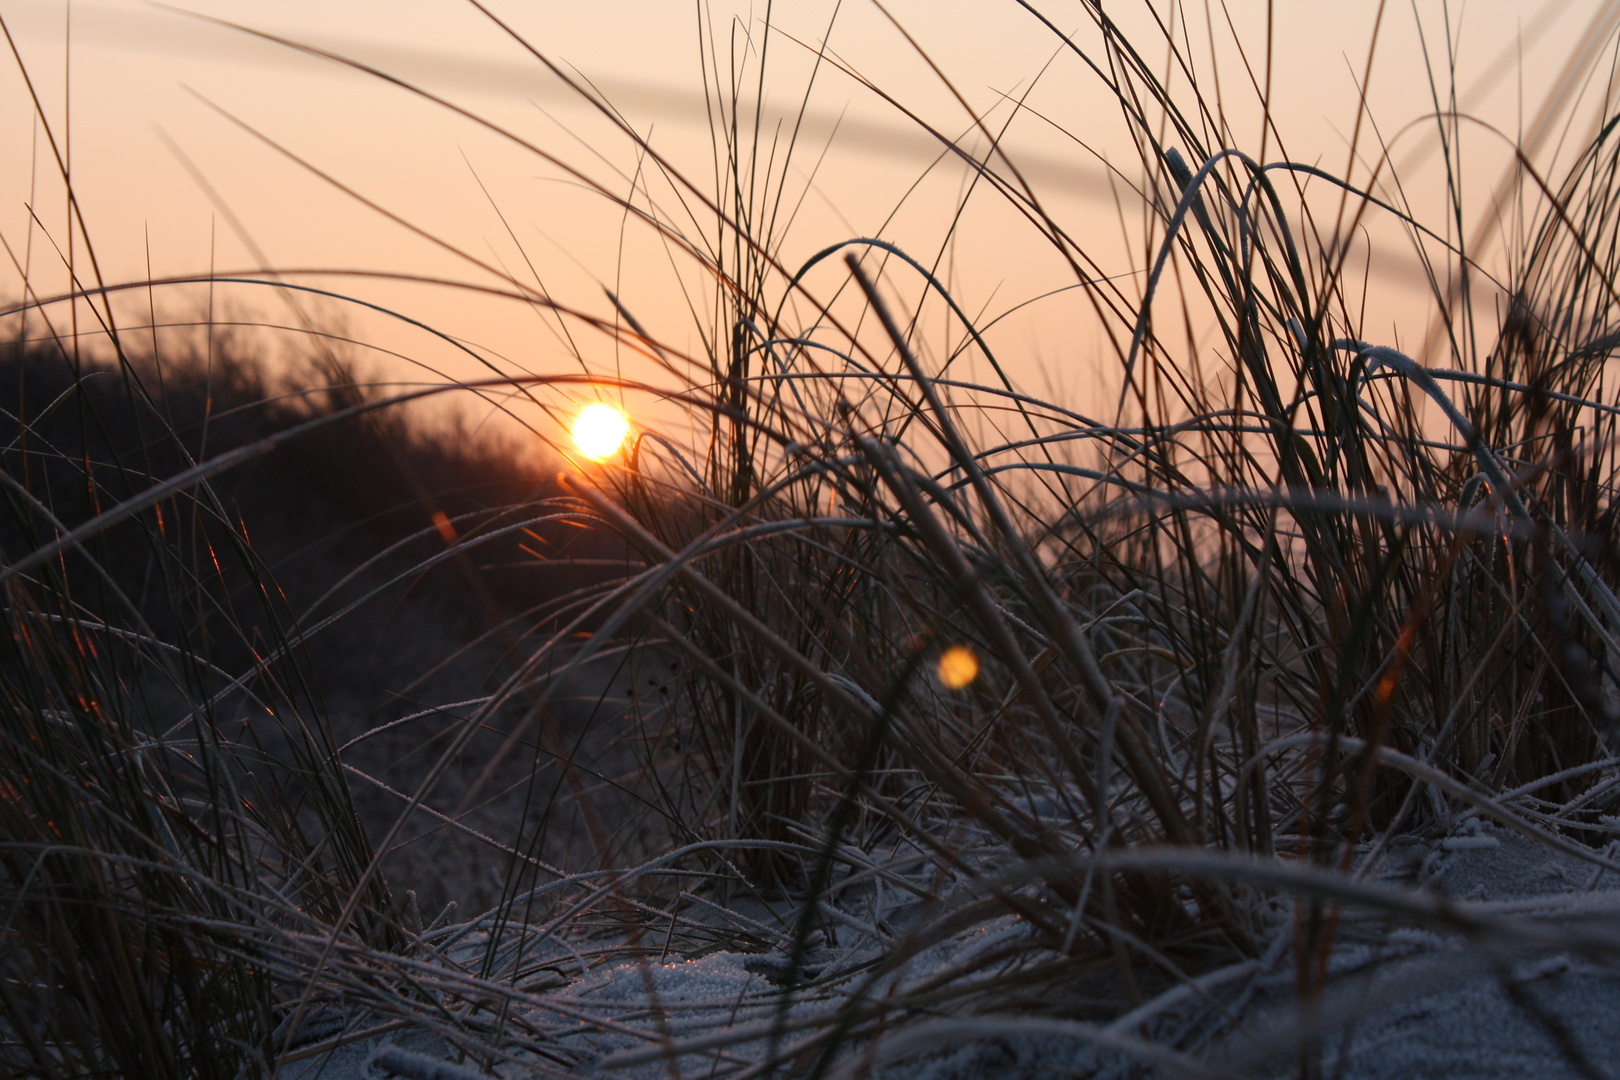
(1403, 1001)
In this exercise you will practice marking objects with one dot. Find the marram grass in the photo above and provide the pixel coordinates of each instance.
(882, 655)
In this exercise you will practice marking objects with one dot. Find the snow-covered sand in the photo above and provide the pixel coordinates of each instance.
(1402, 1001)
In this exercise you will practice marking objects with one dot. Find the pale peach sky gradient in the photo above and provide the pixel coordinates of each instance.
(147, 85)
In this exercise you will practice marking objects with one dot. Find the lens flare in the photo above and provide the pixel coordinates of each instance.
(958, 666)
(599, 431)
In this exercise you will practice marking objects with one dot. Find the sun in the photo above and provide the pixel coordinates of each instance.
(599, 430)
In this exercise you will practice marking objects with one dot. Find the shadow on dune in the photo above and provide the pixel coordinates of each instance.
(369, 574)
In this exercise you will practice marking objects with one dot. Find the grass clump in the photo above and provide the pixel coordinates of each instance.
(151, 859)
(1290, 603)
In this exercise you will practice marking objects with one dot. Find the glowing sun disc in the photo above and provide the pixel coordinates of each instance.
(599, 431)
(958, 666)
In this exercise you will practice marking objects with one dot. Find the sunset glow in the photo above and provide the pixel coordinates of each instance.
(599, 431)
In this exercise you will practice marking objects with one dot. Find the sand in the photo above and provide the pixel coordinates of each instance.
(1401, 1001)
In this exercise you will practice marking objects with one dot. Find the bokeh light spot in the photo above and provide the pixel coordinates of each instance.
(599, 431)
(958, 666)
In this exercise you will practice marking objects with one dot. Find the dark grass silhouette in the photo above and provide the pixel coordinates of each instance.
(179, 658)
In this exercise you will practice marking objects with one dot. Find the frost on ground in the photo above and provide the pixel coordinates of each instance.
(1401, 1001)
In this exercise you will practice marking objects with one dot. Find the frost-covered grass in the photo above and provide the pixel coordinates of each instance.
(1291, 604)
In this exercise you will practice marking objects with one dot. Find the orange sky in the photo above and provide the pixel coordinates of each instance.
(143, 116)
